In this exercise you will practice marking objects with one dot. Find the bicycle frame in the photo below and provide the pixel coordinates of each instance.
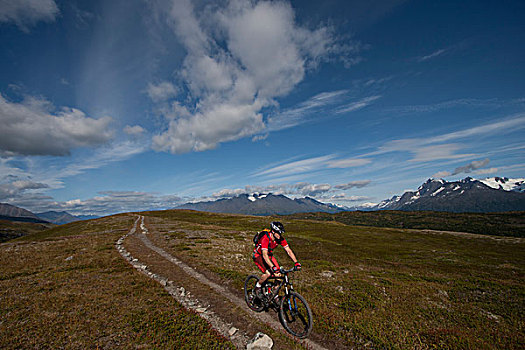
(285, 281)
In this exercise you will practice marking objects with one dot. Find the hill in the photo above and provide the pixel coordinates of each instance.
(13, 213)
(368, 287)
(10, 229)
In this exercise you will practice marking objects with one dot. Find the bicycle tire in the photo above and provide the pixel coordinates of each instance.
(249, 294)
(295, 315)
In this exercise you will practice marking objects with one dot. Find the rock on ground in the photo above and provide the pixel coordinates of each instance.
(260, 342)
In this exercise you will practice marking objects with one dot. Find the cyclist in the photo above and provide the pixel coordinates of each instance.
(263, 257)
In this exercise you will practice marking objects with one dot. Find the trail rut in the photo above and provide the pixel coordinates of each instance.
(236, 330)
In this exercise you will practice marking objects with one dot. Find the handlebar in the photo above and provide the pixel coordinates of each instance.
(285, 271)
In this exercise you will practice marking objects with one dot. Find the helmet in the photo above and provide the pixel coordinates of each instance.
(277, 227)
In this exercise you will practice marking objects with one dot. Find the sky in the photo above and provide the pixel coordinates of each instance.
(127, 105)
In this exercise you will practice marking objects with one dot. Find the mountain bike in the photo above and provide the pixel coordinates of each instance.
(294, 313)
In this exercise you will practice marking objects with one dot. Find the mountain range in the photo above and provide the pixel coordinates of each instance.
(496, 194)
(14, 213)
(262, 204)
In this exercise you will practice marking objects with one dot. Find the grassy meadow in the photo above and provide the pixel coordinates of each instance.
(372, 287)
(496, 224)
(14, 229)
(368, 287)
(68, 287)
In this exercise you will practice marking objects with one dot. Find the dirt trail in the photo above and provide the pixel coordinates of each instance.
(220, 303)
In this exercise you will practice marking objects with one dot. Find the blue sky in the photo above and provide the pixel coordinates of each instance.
(133, 105)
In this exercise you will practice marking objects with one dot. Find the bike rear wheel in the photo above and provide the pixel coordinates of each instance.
(251, 299)
(295, 315)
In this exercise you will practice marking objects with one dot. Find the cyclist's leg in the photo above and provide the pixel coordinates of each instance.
(261, 264)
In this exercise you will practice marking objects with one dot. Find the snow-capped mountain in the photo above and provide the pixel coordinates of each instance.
(504, 183)
(262, 204)
(467, 195)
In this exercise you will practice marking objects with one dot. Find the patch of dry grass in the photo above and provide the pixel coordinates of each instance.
(376, 287)
(69, 288)
(14, 229)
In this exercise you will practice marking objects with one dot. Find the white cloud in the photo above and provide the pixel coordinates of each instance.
(226, 193)
(162, 91)
(434, 148)
(343, 198)
(463, 102)
(311, 190)
(260, 137)
(441, 174)
(25, 13)
(17, 188)
(354, 106)
(437, 152)
(134, 130)
(300, 166)
(432, 55)
(486, 171)
(32, 128)
(309, 165)
(348, 163)
(305, 111)
(255, 53)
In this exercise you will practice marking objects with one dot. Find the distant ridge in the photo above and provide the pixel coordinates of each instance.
(58, 217)
(63, 217)
(262, 204)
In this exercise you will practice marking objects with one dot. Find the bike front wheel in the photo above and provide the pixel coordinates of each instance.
(251, 299)
(295, 315)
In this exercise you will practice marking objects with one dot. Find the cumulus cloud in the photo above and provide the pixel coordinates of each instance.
(311, 190)
(15, 189)
(134, 130)
(26, 13)
(255, 53)
(33, 128)
(162, 91)
(227, 193)
(471, 166)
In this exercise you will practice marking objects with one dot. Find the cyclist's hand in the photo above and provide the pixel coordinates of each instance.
(297, 266)
(275, 269)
